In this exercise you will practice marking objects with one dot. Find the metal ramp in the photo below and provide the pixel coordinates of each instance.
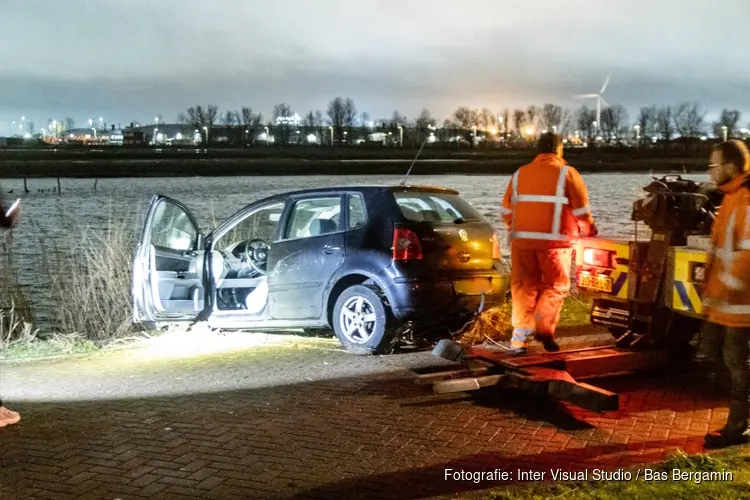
(557, 375)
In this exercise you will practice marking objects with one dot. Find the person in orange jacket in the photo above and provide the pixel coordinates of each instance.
(7, 220)
(726, 295)
(546, 206)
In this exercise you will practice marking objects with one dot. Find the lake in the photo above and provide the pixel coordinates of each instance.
(49, 218)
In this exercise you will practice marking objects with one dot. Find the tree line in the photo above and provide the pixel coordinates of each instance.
(687, 120)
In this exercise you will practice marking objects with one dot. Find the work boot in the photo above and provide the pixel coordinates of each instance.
(548, 342)
(8, 417)
(728, 436)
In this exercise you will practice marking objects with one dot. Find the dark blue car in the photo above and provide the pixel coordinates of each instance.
(378, 265)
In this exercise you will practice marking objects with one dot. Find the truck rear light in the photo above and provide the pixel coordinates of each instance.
(495, 246)
(406, 245)
(597, 257)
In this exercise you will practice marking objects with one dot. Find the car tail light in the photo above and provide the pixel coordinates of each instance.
(598, 258)
(406, 245)
(495, 246)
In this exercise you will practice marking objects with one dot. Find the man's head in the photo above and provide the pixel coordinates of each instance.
(550, 143)
(729, 159)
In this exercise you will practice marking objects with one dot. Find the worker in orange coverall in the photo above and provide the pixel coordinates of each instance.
(546, 206)
(726, 296)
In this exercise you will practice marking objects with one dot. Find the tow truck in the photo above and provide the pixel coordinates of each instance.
(646, 293)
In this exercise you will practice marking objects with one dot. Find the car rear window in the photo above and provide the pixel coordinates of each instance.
(434, 207)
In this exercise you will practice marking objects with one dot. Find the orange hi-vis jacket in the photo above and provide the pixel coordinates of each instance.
(726, 297)
(544, 203)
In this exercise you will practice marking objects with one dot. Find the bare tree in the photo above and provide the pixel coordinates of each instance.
(688, 120)
(424, 123)
(664, 123)
(398, 119)
(551, 117)
(519, 121)
(203, 119)
(729, 118)
(342, 114)
(182, 119)
(30, 127)
(647, 122)
(566, 122)
(466, 118)
(585, 118)
(532, 116)
(614, 118)
(281, 110)
(70, 123)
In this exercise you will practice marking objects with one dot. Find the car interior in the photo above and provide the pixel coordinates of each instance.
(240, 256)
(239, 261)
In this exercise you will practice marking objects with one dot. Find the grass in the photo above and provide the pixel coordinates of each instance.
(736, 462)
(87, 275)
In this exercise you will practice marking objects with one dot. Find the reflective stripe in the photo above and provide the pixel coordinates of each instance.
(528, 235)
(559, 199)
(557, 218)
(581, 211)
(731, 282)
(505, 211)
(734, 308)
(543, 198)
(744, 245)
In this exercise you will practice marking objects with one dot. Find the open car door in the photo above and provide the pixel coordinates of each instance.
(168, 281)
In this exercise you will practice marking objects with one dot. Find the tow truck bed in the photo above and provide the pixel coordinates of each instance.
(555, 374)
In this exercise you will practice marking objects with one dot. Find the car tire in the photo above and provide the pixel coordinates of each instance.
(368, 332)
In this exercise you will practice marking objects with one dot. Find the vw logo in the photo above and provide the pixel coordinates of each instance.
(463, 235)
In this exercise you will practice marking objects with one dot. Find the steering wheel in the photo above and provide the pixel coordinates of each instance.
(256, 254)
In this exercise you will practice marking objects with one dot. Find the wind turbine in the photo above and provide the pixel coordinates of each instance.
(599, 100)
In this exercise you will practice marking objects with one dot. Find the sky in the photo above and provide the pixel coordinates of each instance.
(136, 59)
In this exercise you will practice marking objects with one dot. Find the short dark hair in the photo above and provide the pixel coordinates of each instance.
(548, 143)
(735, 152)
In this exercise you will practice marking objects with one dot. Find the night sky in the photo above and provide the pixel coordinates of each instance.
(131, 60)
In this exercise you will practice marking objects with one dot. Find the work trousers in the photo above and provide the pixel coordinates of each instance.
(731, 345)
(540, 281)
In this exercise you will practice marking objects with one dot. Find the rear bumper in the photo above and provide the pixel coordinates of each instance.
(435, 300)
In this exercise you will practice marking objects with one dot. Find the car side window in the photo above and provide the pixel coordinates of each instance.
(314, 217)
(172, 228)
(259, 224)
(357, 215)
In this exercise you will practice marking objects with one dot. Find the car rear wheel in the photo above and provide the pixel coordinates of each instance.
(360, 321)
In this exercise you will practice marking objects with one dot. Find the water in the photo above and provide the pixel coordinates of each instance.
(47, 216)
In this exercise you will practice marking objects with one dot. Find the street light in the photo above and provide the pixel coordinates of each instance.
(330, 129)
(401, 136)
(724, 130)
(637, 129)
(205, 129)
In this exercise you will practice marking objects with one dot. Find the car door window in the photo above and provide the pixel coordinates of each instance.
(172, 228)
(357, 216)
(259, 224)
(314, 217)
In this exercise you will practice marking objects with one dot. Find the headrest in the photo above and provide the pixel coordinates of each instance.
(322, 226)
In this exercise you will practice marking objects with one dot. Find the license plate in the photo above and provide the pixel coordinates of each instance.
(473, 286)
(598, 283)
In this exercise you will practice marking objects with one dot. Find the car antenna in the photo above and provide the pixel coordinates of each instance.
(403, 182)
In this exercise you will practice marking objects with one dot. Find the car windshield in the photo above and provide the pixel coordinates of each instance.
(435, 207)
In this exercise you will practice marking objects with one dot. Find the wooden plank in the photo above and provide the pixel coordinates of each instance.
(429, 378)
(611, 363)
(466, 384)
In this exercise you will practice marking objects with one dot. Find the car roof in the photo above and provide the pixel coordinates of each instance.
(365, 188)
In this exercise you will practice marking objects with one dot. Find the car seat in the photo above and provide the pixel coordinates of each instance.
(322, 226)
